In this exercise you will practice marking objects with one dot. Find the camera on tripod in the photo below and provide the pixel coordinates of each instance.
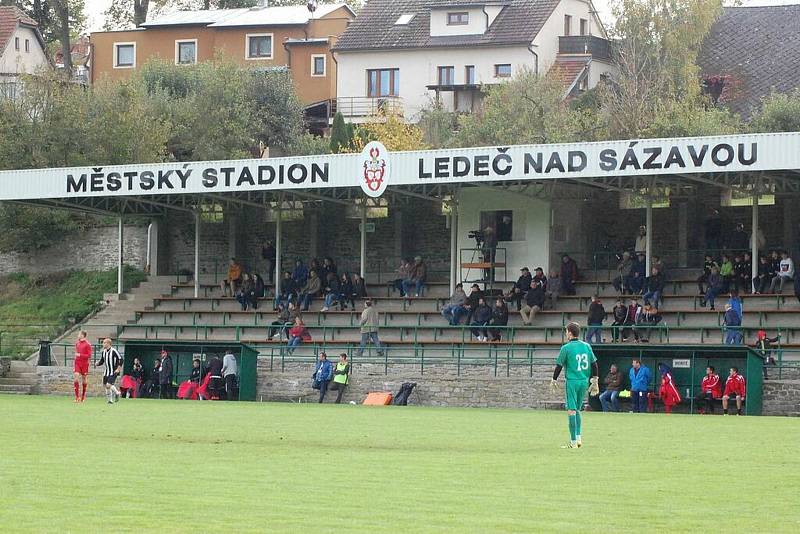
(477, 235)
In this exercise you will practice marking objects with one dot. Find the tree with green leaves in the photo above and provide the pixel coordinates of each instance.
(341, 134)
(780, 112)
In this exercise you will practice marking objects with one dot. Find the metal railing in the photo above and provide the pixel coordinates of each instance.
(367, 106)
(585, 44)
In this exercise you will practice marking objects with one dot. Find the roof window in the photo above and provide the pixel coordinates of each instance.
(404, 19)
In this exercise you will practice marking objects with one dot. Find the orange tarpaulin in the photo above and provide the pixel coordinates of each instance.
(378, 398)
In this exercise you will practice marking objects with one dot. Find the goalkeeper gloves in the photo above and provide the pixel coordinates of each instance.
(554, 387)
(594, 389)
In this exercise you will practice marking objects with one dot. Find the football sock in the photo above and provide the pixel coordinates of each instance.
(725, 411)
(572, 428)
(83, 394)
(577, 423)
(77, 391)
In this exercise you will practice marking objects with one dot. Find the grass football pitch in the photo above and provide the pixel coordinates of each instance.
(174, 466)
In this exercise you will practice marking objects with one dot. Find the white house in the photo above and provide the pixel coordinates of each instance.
(402, 54)
(22, 49)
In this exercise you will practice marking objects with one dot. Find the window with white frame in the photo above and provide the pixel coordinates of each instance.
(469, 74)
(502, 70)
(124, 55)
(27, 45)
(259, 46)
(186, 52)
(16, 43)
(459, 18)
(318, 65)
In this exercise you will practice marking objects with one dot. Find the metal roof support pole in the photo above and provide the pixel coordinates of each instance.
(455, 267)
(197, 254)
(754, 241)
(649, 236)
(120, 258)
(364, 240)
(278, 249)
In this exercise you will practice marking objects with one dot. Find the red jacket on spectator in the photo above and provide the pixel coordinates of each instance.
(711, 383)
(735, 386)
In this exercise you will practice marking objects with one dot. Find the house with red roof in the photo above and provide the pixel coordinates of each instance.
(22, 49)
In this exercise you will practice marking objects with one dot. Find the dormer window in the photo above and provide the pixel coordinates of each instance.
(458, 18)
(404, 19)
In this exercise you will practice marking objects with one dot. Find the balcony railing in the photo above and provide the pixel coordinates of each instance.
(598, 47)
(366, 106)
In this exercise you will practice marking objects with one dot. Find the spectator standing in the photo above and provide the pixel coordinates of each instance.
(311, 290)
(714, 288)
(499, 319)
(298, 334)
(619, 313)
(637, 275)
(785, 273)
(763, 346)
(369, 328)
(268, 255)
(230, 373)
(734, 388)
(654, 287)
(215, 383)
(230, 284)
(165, 376)
(323, 372)
(668, 391)
(519, 289)
(150, 388)
(710, 389)
(480, 319)
(341, 377)
(761, 282)
(623, 270)
(455, 309)
(403, 275)
(713, 229)
(489, 250)
(736, 304)
(639, 377)
(702, 280)
(534, 298)
(330, 290)
(640, 245)
(552, 289)
(595, 318)
(569, 274)
(609, 399)
(739, 239)
(132, 382)
(417, 275)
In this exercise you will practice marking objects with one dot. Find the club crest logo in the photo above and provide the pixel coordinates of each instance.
(374, 169)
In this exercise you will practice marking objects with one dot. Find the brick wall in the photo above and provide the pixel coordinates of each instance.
(782, 397)
(90, 250)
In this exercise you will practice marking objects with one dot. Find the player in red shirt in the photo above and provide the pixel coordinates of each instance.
(734, 387)
(83, 354)
(710, 389)
(668, 391)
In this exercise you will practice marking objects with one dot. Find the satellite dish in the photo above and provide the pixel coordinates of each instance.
(311, 5)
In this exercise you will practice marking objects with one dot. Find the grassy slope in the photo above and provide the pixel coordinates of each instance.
(226, 467)
(52, 300)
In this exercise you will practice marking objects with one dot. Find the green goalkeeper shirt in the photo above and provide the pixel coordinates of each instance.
(576, 358)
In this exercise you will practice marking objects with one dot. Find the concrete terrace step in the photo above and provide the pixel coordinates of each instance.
(14, 389)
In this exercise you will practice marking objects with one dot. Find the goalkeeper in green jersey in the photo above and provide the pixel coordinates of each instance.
(580, 366)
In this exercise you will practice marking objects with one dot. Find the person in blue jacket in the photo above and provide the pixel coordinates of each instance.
(323, 373)
(639, 376)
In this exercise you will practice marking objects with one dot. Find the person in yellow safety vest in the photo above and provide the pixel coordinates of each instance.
(341, 377)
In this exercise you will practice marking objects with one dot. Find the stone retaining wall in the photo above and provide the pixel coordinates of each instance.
(782, 397)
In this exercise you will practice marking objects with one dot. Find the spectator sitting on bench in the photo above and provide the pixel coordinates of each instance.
(656, 263)
(519, 289)
(761, 282)
(359, 289)
(734, 388)
(654, 287)
(763, 346)
(569, 274)
(472, 301)
(455, 308)
(668, 391)
(534, 298)
(726, 272)
(299, 274)
(346, 293)
(742, 271)
(417, 276)
(647, 320)
(402, 276)
(288, 291)
(631, 318)
(785, 273)
(714, 288)
(635, 282)
(330, 289)
(710, 389)
(230, 284)
(552, 289)
(245, 292)
(298, 334)
(480, 319)
(310, 290)
(609, 399)
(499, 318)
(328, 267)
(281, 323)
(702, 280)
(623, 270)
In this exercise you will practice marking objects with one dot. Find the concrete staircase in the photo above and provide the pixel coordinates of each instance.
(120, 309)
(19, 380)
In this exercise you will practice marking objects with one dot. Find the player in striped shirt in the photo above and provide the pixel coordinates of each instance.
(111, 362)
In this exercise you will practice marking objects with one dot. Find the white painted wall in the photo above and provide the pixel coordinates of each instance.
(439, 27)
(18, 61)
(546, 42)
(597, 69)
(418, 69)
(531, 245)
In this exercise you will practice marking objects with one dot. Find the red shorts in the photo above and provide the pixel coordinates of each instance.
(81, 368)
